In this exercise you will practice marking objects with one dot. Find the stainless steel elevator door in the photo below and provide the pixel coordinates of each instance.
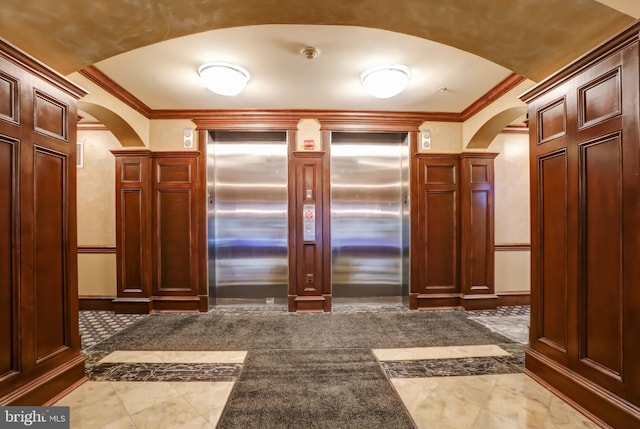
(367, 215)
(247, 215)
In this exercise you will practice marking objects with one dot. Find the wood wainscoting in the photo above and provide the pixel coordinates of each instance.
(585, 164)
(40, 356)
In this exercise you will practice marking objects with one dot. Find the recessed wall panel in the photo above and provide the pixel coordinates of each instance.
(174, 233)
(601, 253)
(440, 242)
(9, 98)
(552, 121)
(51, 279)
(50, 116)
(553, 277)
(600, 100)
(8, 288)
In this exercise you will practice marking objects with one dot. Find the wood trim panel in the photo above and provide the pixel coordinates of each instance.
(41, 355)
(307, 269)
(9, 98)
(476, 231)
(511, 298)
(512, 247)
(96, 249)
(585, 234)
(175, 241)
(133, 232)
(9, 275)
(96, 303)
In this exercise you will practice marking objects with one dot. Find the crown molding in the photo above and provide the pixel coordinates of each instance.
(96, 76)
(328, 116)
(492, 95)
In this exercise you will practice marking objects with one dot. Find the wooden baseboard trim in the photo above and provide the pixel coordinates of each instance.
(93, 302)
(435, 301)
(479, 302)
(517, 297)
(45, 389)
(598, 404)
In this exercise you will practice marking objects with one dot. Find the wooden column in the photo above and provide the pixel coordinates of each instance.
(133, 231)
(157, 227)
(40, 356)
(175, 237)
(435, 256)
(309, 287)
(585, 232)
(476, 231)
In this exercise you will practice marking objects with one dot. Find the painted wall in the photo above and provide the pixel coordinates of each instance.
(96, 212)
(512, 219)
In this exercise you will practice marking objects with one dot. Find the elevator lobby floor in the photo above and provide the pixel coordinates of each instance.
(478, 386)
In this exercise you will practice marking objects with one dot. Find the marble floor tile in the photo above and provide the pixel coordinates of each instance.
(126, 356)
(147, 405)
(424, 353)
(486, 402)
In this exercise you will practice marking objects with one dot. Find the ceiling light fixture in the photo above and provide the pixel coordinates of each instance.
(385, 81)
(224, 78)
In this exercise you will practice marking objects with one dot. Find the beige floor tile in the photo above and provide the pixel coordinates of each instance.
(488, 420)
(138, 396)
(124, 356)
(564, 416)
(420, 353)
(174, 414)
(208, 399)
(90, 393)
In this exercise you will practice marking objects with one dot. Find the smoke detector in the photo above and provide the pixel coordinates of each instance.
(310, 52)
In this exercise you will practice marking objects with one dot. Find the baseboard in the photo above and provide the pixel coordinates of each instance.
(598, 404)
(434, 301)
(93, 302)
(45, 389)
(516, 297)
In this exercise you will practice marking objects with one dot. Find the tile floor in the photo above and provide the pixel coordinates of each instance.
(466, 387)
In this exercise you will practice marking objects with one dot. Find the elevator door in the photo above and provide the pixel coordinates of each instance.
(369, 215)
(247, 216)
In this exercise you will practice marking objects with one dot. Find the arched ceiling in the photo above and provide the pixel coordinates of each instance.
(530, 37)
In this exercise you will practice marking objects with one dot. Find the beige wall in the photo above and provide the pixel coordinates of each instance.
(96, 212)
(512, 220)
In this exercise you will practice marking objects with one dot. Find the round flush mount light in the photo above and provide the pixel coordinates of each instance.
(385, 81)
(224, 78)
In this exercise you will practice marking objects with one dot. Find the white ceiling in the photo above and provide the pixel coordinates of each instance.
(164, 75)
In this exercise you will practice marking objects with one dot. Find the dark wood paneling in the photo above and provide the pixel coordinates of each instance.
(600, 100)
(586, 235)
(51, 252)
(40, 353)
(173, 231)
(96, 303)
(8, 277)
(9, 98)
(435, 232)
(552, 121)
(440, 242)
(175, 239)
(133, 231)
(476, 231)
(601, 208)
(132, 238)
(308, 285)
(51, 116)
(551, 200)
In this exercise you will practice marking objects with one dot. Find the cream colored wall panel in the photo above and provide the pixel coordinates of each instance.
(96, 189)
(512, 270)
(97, 274)
(512, 214)
(446, 137)
(168, 134)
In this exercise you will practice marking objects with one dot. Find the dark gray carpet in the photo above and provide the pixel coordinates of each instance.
(306, 370)
(313, 389)
(212, 331)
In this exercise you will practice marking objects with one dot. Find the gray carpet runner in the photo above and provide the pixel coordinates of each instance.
(330, 389)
